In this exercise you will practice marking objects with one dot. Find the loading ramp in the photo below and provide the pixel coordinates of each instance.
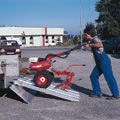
(25, 86)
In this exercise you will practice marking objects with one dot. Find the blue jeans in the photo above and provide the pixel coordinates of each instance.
(103, 66)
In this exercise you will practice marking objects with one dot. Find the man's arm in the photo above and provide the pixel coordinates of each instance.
(96, 42)
(97, 45)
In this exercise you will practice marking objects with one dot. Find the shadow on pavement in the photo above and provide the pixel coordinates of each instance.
(75, 87)
(2, 92)
(81, 89)
(84, 90)
(10, 94)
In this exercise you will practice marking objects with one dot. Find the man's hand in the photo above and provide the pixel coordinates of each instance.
(87, 45)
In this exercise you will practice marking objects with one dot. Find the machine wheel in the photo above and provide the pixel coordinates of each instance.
(43, 79)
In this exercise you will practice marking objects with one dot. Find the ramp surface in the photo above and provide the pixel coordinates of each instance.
(21, 83)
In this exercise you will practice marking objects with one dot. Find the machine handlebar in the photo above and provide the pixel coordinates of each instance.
(65, 54)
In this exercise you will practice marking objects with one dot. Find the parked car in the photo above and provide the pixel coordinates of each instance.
(10, 47)
(112, 46)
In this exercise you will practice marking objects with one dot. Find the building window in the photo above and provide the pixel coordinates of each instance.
(53, 37)
(23, 38)
(58, 39)
(46, 41)
(31, 39)
(53, 41)
(46, 37)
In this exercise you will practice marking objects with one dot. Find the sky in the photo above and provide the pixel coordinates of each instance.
(72, 15)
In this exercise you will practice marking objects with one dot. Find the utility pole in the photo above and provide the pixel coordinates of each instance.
(81, 32)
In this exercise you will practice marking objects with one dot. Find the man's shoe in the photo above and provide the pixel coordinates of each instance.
(113, 98)
(96, 96)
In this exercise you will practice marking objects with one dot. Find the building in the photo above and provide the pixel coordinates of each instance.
(33, 36)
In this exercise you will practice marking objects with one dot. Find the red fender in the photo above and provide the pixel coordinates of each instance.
(42, 65)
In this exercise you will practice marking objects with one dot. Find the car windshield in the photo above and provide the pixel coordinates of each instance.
(9, 43)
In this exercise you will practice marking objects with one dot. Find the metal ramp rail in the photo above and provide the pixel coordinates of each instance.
(25, 88)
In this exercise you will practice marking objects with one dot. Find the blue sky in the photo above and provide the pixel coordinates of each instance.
(48, 13)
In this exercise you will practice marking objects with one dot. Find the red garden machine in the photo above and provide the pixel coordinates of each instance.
(44, 73)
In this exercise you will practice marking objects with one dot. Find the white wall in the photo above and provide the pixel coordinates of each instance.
(38, 41)
(8, 31)
(15, 33)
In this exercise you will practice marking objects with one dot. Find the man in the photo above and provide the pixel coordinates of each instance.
(103, 64)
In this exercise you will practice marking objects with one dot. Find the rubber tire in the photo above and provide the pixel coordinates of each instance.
(47, 75)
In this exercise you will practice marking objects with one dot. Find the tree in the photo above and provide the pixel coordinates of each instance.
(75, 39)
(108, 22)
(65, 40)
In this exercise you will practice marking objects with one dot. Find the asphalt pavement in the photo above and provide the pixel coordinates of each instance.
(45, 107)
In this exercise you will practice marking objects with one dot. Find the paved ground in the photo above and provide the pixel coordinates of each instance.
(44, 107)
